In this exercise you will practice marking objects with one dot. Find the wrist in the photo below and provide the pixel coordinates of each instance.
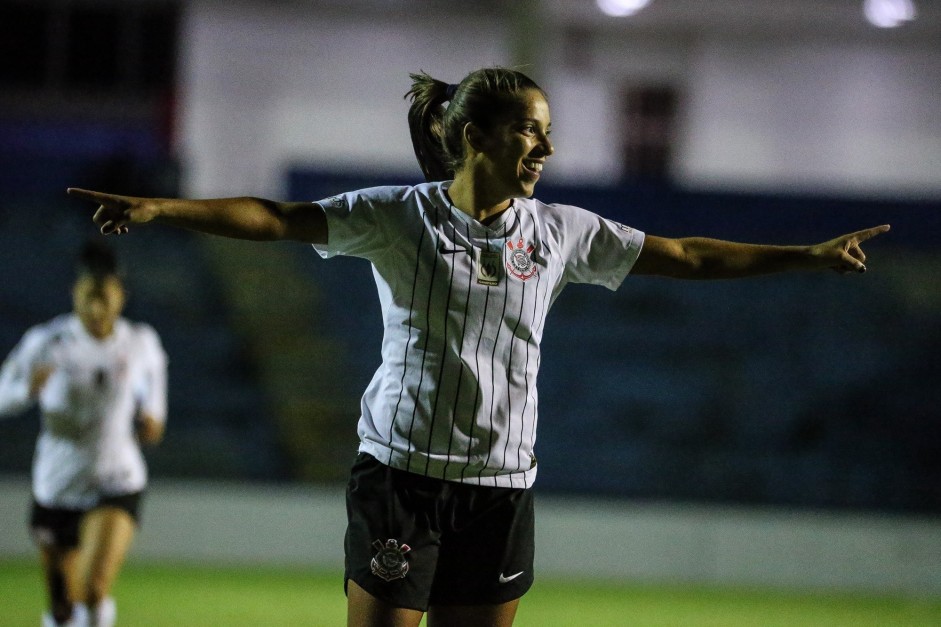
(815, 257)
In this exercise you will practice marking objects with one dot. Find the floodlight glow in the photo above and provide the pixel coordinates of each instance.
(888, 13)
(621, 8)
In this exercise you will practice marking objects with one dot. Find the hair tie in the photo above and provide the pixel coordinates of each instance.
(449, 92)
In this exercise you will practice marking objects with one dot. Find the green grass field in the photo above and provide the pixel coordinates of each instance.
(181, 596)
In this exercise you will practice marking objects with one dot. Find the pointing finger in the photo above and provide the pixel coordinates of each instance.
(87, 194)
(862, 236)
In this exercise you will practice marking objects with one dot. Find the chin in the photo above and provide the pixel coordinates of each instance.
(525, 189)
(523, 193)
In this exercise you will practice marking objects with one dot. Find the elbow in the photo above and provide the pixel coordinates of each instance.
(700, 263)
(689, 266)
(671, 258)
(271, 227)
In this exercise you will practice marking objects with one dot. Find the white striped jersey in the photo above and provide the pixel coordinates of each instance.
(87, 447)
(464, 307)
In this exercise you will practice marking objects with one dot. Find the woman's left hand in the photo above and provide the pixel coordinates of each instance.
(844, 253)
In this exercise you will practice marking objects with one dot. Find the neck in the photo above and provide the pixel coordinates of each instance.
(469, 194)
(99, 332)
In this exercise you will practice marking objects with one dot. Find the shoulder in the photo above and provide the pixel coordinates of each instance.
(142, 331)
(141, 334)
(554, 214)
(389, 195)
(395, 206)
(54, 329)
(39, 336)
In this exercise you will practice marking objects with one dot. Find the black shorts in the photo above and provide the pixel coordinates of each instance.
(413, 541)
(59, 526)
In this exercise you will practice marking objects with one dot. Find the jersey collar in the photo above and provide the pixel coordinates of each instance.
(504, 223)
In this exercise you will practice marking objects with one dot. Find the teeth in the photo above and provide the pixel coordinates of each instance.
(535, 166)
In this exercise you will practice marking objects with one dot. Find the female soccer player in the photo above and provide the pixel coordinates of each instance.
(440, 514)
(100, 382)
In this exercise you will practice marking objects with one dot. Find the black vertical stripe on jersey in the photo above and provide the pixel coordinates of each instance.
(493, 359)
(424, 354)
(460, 372)
(477, 395)
(411, 325)
(444, 350)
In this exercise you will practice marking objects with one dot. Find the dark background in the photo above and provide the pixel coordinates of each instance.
(809, 390)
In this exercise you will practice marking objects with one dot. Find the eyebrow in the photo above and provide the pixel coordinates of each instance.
(536, 120)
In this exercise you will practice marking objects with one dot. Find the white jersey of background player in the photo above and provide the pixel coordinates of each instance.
(87, 446)
(101, 386)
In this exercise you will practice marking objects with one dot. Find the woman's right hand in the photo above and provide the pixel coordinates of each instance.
(116, 212)
(38, 378)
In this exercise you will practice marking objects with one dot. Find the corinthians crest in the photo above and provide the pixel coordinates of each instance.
(520, 262)
(389, 562)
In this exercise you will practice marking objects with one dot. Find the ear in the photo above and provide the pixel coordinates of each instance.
(474, 138)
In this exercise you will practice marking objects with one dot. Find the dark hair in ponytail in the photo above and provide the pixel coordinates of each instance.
(483, 98)
(98, 260)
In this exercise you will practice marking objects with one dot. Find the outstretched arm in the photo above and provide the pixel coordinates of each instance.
(704, 258)
(240, 218)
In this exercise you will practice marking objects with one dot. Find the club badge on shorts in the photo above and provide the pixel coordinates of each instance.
(520, 262)
(389, 563)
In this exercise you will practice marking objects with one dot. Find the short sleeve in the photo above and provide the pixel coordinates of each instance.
(357, 223)
(598, 251)
(152, 388)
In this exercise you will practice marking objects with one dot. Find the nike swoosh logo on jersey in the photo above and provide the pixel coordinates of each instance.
(511, 577)
(450, 251)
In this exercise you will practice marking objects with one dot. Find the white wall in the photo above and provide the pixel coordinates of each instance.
(268, 85)
(830, 116)
(219, 523)
(264, 87)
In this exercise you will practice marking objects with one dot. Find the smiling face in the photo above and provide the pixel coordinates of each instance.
(512, 153)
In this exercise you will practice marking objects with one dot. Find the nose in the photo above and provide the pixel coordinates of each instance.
(97, 309)
(547, 148)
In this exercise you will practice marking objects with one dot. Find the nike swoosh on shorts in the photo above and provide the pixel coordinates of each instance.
(511, 577)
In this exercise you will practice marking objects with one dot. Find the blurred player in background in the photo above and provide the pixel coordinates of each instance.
(467, 265)
(101, 385)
